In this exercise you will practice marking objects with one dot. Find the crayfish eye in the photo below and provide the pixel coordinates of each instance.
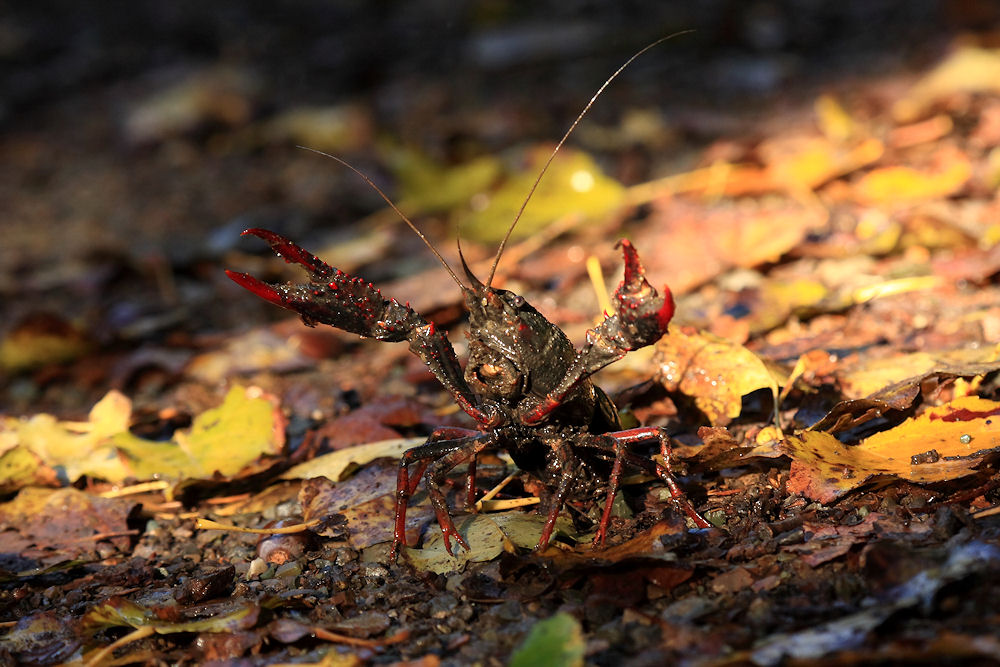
(518, 301)
(489, 371)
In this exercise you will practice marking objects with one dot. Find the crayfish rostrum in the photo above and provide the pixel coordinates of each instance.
(525, 385)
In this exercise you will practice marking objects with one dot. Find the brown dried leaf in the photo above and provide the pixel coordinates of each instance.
(368, 503)
(64, 520)
(695, 243)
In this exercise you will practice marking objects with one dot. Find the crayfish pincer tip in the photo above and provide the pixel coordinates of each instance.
(633, 266)
(258, 287)
(266, 234)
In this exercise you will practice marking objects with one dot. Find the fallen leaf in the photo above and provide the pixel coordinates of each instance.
(69, 449)
(488, 535)
(555, 642)
(429, 187)
(967, 70)
(20, 467)
(229, 616)
(42, 638)
(39, 340)
(67, 521)
(220, 441)
(261, 349)
(333, 129)
(944, 443)
(715, 372)
(694, 243)
(573, 185)
(333, 465)
(903, 185)
(222, 95)
(367, 503)
(833, 120)
(797, 163)
(872, 378)
(776, 300)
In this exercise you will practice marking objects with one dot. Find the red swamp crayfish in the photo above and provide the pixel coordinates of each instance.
(525, 384)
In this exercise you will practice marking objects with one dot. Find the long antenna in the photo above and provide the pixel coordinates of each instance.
(503, 243)
(395, 208)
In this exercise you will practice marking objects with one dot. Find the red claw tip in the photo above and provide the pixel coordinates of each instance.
(666, 313)
(265, 234)
(633, 267)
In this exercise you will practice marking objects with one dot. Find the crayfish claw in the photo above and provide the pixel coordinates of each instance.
(642, 310)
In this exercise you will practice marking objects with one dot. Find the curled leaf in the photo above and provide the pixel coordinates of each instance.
(944, 443)
(716, 372)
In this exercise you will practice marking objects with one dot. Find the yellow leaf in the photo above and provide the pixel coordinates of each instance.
(40, 340)
(333, 465)
(967, 70)
(20, 468)
(429, 187)
(834, 122)
(944, 443)
(573, 185)
(334, 129)
(221, 440)
(894, 185)
(716, 372)
(74, 449)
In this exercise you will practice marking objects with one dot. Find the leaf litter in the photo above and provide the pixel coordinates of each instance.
(834, 416)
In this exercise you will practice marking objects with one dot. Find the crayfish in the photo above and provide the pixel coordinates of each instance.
(525, 384)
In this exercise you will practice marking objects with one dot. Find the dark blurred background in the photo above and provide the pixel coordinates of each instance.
(138, 138)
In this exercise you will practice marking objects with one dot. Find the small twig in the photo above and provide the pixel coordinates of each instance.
(496, 489)
(320, 633)
(139, 633)
(134, 489)
(208, 524)
(989, 511)
(223, 500)
(103, 536)
(506, 504)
